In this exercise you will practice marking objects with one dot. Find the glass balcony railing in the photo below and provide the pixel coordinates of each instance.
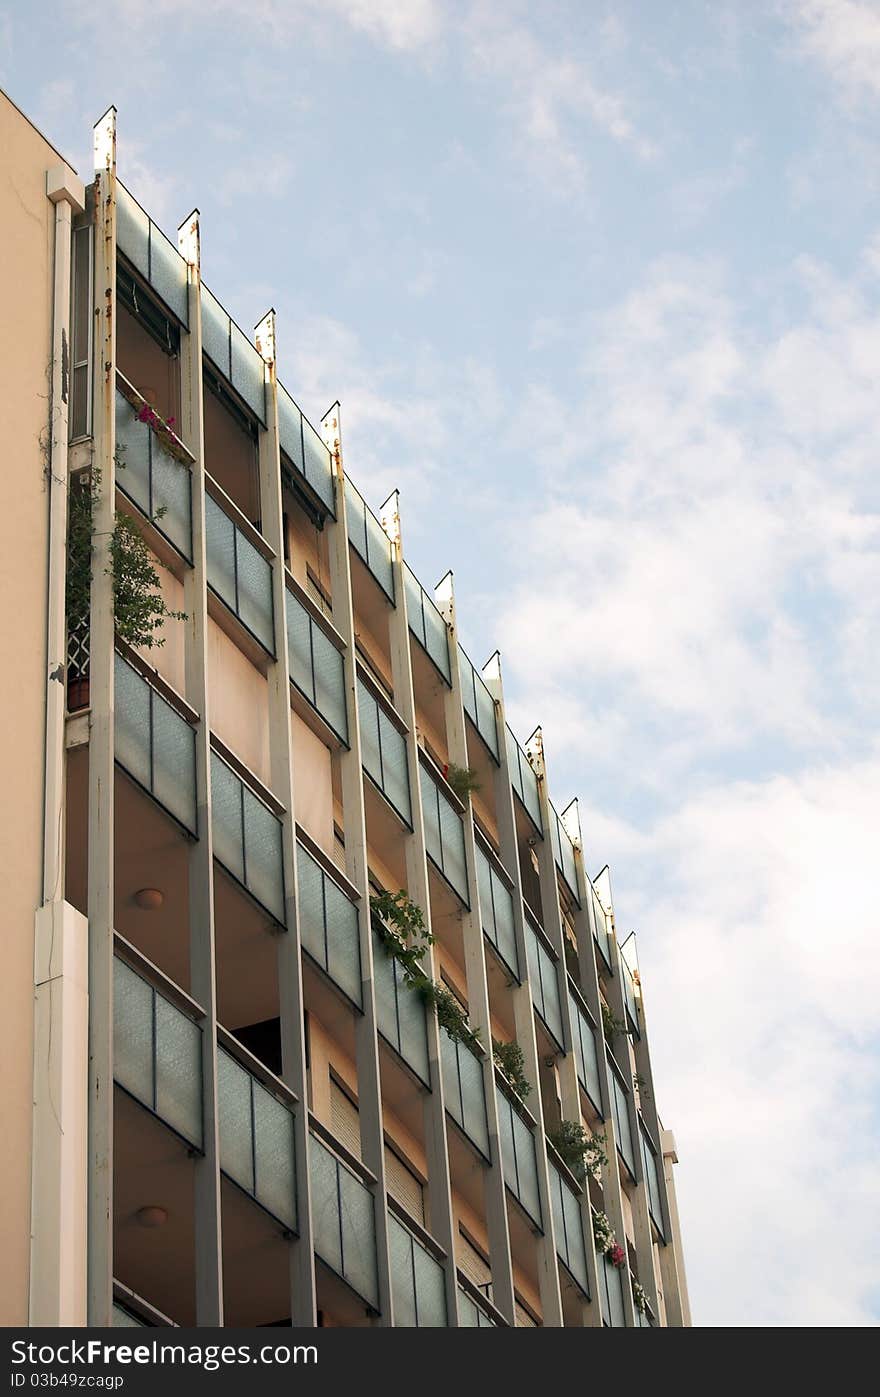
(157, 1053)
(147, 249)
(611, 1281)
(479, 704)
(465, 1090)
(383, 752)
(563, 852)
(305, 449)
(620, 1111)
(154, 744)
(471, 1315)
(121, 1318)
(569, 1229)
(651, 1164)
(600, 930)
(444, 834)
(343, 1222)
(230, 351)
(519, 1158)
(328, 925)
(629, 996)
(153, 471)
(524, 781)
(256, 1139)
(496, 912)
(316, 666)
(417, 1281)
(239, 574)
(585, 1053)
(247, 838)
(400, 1012)
(426, 623)
(369, 539)
(544, 983)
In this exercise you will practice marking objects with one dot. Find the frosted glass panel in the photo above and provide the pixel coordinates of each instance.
(402, 1277)
(585, 1053)
(329, 682)
(426, 623)
(343, 1221)
(235, 1125)
(227, 819)
(652, 1177)
(133, 1033)
(133, 455)
(255, 591)
(430, 1289)
(395, 772)
(178, 1070)
(248, 372)
(215, 331)
(518, 1157)
(133, 231)
(568, 1227)
(452, 843)
(619, 1103)
(317, 463)
(290, 428)
(264, 868)
(544, 983)
(299, 646)
(470, 1316)
(368, 718)
(132, 727)
(464, 1090)
(478, 703)
(355, 511)
(174, 762)
(329, 925)
(220, 548)
(400, 1011)
(274, 1155)
(171, 487)
(326, 1228)
(168, 274)
(523, 779)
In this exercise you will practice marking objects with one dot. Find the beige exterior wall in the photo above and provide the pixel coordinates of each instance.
(26, 271)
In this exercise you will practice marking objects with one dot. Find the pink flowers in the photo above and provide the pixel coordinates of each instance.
(149, 415)
(616, 1255)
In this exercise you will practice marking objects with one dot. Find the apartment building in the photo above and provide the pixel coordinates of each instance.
(246, 1104)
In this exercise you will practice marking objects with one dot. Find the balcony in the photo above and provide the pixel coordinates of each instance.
(232, 353)
(383, 752)
(545, 986)
(369, 540)
(611, 1281)
(471, 1315)
(154, 744)
(153, 469)
(427, 624)
(316, 665)
(444, 834)
(328, 924)
(400, 1012)
(524, 781)
(150, 252)
(305, 450)
(563, 852)
(343, 1222)
(600, 929)
(650, 1160)
(569, 1229)
(629, 996)
(464, 1091)
(238, 572)
(620, 1111)
(256, 1140)
(496, 911)
(417, 1281)
(585, 1052)
(247, 839)
(157, 1053)
(519, 1158)
(479, 704)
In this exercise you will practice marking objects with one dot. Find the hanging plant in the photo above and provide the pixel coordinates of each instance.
(400, 926)
(617, 1256)
(603, 1233)
(462, 779)
(509, 1058)
(640, 1084)
(640, 1299)
(139, 608)
(581, 1150)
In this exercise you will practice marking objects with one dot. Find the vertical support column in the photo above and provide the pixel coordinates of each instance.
(551, 917)
(524, 1015)
(293, 1045)
(356, 867)
(675, 1291)
(202, 954)
(101, 774)
(477, 983)
(442, 1221)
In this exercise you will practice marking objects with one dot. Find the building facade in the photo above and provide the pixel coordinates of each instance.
(246, 1103)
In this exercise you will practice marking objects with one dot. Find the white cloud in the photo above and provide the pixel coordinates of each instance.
(844, 37)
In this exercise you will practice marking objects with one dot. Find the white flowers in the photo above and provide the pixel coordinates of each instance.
(603, 1233)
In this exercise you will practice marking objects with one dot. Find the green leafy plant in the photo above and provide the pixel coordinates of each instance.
(509, 1057)
(462, 779)
(139, 608)
(400, 926)
(581, 1150)
(611, 1026)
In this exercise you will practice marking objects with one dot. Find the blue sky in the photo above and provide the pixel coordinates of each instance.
(597, 286)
